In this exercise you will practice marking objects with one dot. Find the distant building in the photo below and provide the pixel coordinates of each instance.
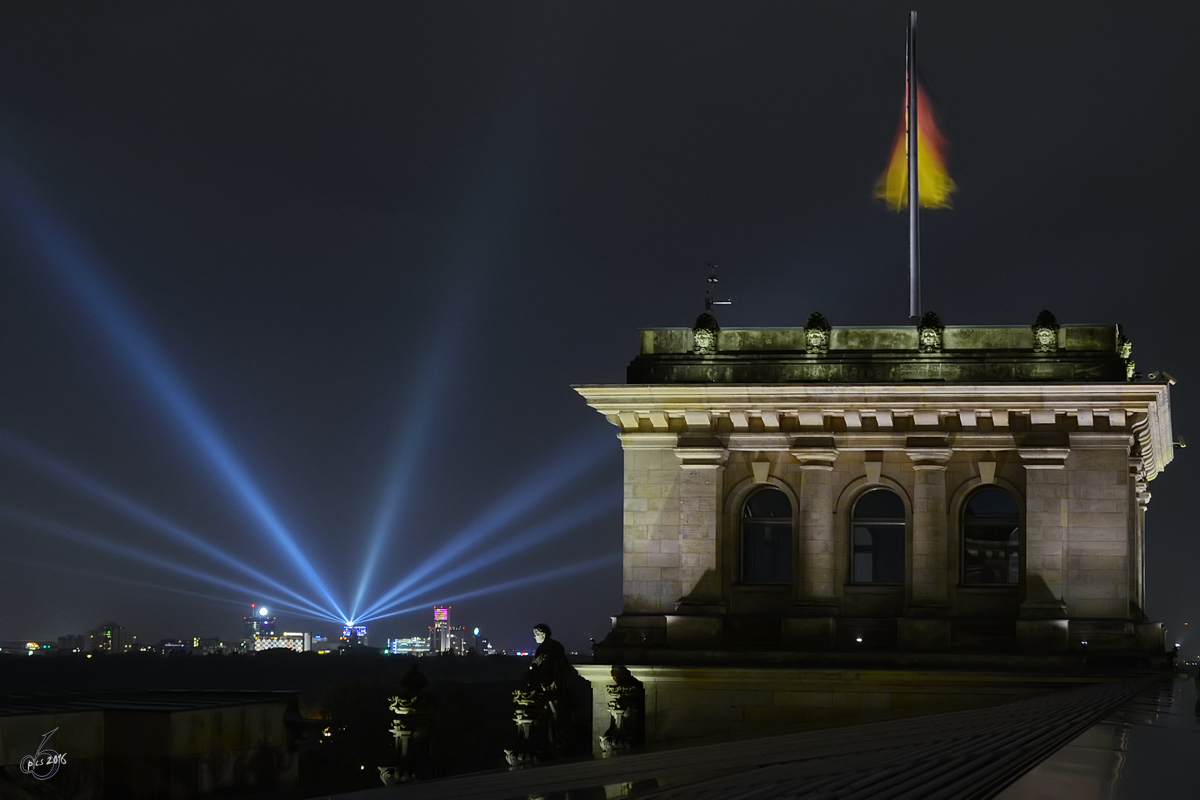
(258, 622)
(73, 642)
(321, 645)
(26, 648)
(210, 646)
(460, 641)
(111, 638)
(354, 635)
(300, 642)
(415, 646)
(439, 634)
(481, 645)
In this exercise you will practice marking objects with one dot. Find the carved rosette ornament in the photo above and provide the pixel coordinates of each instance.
(704, 335)
(929, 333)
(1125, 351)
(816, 334)
(1045, 333)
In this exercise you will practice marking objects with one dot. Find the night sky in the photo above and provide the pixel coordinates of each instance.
(305, 283)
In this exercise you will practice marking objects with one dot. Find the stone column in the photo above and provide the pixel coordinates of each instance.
(814, 586)
(1046, 523)
(697, 581)
(930, 577)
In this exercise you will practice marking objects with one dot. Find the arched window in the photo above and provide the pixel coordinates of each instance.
(991, 531)
(877, 531)
(767, 537)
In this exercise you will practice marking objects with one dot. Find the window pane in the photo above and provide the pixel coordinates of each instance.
(992, 503)
(767, 537)
(879, 532)
(879, 504)
(863, 564)
(768, 503)
(768, 553)
(991, 538)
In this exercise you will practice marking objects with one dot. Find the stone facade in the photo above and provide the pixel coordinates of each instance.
(1056, 424)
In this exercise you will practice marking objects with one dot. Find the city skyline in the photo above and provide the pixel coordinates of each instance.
(267, 626)
(292, 307)
(383, 634)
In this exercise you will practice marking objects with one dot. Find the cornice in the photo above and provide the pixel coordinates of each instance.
(871, 416)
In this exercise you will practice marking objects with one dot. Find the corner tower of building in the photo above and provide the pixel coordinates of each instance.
(914, 489)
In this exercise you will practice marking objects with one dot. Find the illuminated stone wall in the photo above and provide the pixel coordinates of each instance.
(1064, 430)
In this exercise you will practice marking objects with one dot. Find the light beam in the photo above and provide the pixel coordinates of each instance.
(415, 432)
(79, 271)
(101, 543)
(60, 471)
(556, 526)
(549, 575)
(567, 467)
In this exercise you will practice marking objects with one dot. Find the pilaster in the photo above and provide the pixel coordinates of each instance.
(814, 591)
(700, 502)
(1046, 522)
(930, 570)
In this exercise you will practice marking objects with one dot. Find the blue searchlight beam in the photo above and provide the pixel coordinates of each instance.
(60, 471)
(82, 275)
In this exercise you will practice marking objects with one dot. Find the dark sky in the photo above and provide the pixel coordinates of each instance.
(269, 267)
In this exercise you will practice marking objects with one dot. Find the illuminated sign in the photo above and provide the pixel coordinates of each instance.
(441, 614)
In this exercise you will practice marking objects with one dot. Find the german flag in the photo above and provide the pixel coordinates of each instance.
(934, 183)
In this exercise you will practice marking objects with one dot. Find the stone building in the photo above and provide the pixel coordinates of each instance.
(925, 488)
(922, 494)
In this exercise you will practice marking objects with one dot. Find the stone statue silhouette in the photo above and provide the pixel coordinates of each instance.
(551, 673)
(543, 705)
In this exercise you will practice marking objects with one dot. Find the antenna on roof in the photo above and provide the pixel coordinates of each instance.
(709, 302)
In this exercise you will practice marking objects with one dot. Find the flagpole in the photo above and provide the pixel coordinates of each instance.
(914, 233)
